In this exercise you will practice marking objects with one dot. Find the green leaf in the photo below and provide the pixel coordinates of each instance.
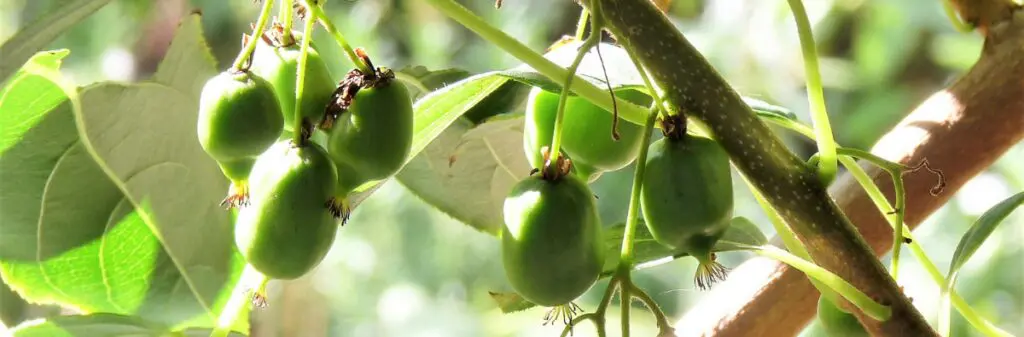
(89, 325)
(137, 232)
(36, 35)
(979, 232)
(429, 79)
(28, 96)
(467, 171)
(741, 231)
(436, 111)
(510, 302)
(768, 110)
(12, 306)
(103, 324)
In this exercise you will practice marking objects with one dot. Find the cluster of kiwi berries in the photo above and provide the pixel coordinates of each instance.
(552, 247)
(291, 191)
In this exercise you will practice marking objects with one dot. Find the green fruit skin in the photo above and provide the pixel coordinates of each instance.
(287, 229)
(838, 323)
(279, 66)
(371, 140)
(551, 244)
(239, 117)
(586, 130)
(687, 197)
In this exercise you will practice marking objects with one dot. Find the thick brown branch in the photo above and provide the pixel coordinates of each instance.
(791, 186)
(960, 130)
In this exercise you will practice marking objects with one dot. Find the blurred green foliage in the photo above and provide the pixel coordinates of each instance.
(402, 269)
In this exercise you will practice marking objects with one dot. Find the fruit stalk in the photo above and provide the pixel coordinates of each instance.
(633, 213)
(581, 25)
(250, 46)
(791, 186)
(299, 132)
(317, 14)
(285, 15)
(556, 138)
(238, 302)
(827, 166)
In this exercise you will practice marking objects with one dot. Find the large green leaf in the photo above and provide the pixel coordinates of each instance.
(980, 231)
(36, 35)
(127, 221)
(467, 171)
(108, 325)
(969, 243)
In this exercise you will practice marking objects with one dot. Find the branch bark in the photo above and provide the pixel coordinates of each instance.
(791, 186)
(960, 130)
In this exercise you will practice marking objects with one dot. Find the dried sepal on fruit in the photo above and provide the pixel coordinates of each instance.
(369, 124)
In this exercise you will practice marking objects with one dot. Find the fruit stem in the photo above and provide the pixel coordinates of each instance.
(300, 135)
(285, 15)
(627, 110)
(563, 97)
(633, 213)
(876, 196)
(665, 111)
(895, 219)
(659, 315)
(316, 13)
(827, 165)
(237, 303)
(625, 301)
(581, 25)
(261, 23)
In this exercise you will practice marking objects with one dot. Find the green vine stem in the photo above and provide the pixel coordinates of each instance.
(880, 201)
(625, 301)
(285, 15)
(693, 86)
(827, 166)
(563, 97)
(649, 302)
(651, 89)
(633, 213)
(961, 305)
(240, 301)
(627, 110)
(871, 308)
(250, 46)
(895, 217)
(300, 86)
(581, 25)
(318, 14)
